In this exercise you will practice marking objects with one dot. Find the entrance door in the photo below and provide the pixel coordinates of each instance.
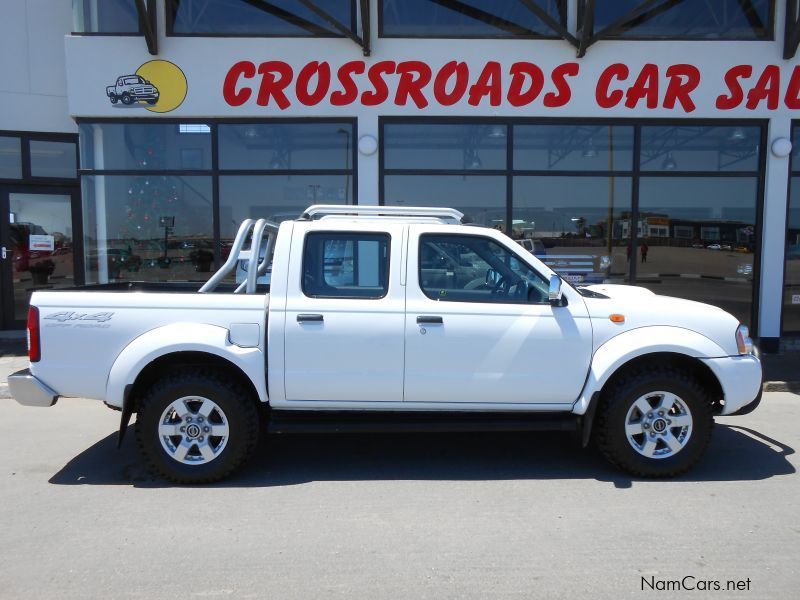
(39, 233)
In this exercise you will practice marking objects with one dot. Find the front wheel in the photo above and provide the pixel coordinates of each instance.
(654, 422)
(197, 426)
(126, 98)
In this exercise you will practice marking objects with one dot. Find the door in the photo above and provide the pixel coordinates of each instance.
(345, 314)
(480, 328)
(38, 241)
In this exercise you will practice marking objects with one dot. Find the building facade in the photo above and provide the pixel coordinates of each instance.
(631, 141)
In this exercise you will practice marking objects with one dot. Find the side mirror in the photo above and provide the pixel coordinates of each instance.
(554, 293)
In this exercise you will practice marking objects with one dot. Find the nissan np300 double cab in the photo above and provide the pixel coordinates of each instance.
(390, 319)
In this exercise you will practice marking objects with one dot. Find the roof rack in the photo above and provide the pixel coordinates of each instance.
(447, 215)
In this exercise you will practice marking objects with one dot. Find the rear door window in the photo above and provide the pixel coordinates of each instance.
(346, 265)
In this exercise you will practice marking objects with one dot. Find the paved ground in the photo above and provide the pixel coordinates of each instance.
(396, 516)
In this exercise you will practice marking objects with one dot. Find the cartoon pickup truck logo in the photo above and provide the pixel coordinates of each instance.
(132, 88)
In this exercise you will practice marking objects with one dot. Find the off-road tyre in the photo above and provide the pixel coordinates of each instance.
(230, 396)
(113, 98)
(126, 98)
(616, 402)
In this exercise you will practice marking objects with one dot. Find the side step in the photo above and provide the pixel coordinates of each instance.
(297, 421)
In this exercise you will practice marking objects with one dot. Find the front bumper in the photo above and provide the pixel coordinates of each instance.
(741, 379)
(29, 391)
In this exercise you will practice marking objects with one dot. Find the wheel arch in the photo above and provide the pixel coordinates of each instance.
(193, 344)
(167, 363)
(635, 348)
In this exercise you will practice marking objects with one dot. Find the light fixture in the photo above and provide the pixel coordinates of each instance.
(737, 135)
(669, 163)
(589, 151)
(497, 132)
(251, 132)
(781, 147)
(367, 145)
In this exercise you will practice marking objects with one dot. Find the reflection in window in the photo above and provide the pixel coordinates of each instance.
(692, 148)
(53, 159)
(105, 16)
(451, 147)
(286, 146)
(697, 239)
(573, 148)
(147, 227)
(697, 19)
(576, 224)
(144, 147)
(247, 17)
(275, 197)
(791, 287)
(468, 18)
(10, 158)
(482, 199)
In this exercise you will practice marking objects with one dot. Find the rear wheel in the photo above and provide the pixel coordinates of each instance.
(654, 422)
(113, 98)
(197, 427)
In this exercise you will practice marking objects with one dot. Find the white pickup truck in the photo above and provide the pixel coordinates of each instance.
(390, 319)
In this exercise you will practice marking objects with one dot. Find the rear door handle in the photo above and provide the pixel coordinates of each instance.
(429, 320)
(310, 319)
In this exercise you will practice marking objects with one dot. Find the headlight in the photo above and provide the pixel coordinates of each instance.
(743, 341)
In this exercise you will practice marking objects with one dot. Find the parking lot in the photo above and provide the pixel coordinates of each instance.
(393, 516)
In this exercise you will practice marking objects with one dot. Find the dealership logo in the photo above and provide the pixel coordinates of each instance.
(158, 85)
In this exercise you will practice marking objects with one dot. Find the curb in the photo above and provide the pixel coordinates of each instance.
(782, 386)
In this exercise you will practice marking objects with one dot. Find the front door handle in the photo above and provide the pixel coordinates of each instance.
(429, 320)
(310, 319)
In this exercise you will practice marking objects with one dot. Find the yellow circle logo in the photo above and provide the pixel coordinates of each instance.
(170, 82)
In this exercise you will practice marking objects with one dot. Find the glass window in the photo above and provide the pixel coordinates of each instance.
(147, 227)
(791, 307)
(467, 18)
(346, 265)
(53, 159)
(140, 147)
(577, 225)
(106, 16)
(276, 146)
(472, 268)
(275, 197)
(248, 18)
(791, 284)
(10, 158)
(698, 19)
(482, 199)
(697, 239)
(420, 146)
(691, 148)
(573, 148)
